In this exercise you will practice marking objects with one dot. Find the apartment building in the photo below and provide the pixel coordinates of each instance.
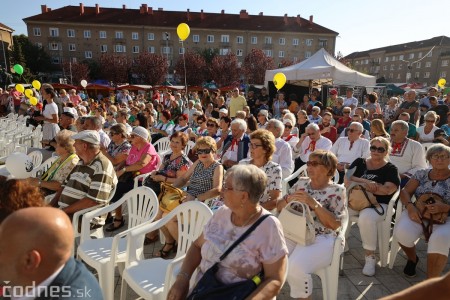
(422, 61)
(6, 42)
(77, 33)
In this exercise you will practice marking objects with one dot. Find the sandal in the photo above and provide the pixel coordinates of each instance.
(149, 241)
(165, 253)
(111, 227)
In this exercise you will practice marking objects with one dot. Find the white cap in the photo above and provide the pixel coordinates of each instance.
(140, 131)
(89, 136)
(224, 111)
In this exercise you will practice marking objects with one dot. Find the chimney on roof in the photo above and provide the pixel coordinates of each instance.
(299, 22)
(311, 18)
(144, 9)
(188, 15)
(286, 19)
(243, 14)
(81, 9)
(202, 15)
(160, 9)
(261, 14)
(150, 10)
(97, 9)
(124, 7)
(44, 9)
(223, 11)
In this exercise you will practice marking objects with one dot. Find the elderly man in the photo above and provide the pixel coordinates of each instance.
(358, 119)
(315, 117)
(235, 145)
(350, 147)
(350, 101)
(91, 181)
(410, 105)
(94, 123)
(407, 155)
(310, 141)
(237, 102)
(283, 152)
(36, 260)
(412, 131)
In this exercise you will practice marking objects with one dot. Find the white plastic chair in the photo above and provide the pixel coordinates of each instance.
(163, 145)
(188, 147)
(36, 157)
(39, 171)
(383, 229)
(425, 146)
(146, 277)
(329, 276)
(105, 253)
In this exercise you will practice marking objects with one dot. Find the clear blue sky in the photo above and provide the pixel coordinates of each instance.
(362, 25)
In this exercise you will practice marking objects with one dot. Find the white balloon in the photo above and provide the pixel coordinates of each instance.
(83, 83)
(19, 165)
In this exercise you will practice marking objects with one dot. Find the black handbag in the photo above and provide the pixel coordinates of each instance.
(209, 287)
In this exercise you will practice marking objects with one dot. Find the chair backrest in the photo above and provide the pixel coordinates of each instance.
(44, 166)
(142, 205)
(188, 147)
(285, 181)
(425, 146)
(163, 144)
(36, 157)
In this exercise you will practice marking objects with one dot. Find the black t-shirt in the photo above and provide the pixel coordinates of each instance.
(441, 110)
(387, 173)
(302, 128)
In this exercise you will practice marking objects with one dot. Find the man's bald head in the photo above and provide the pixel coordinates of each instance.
(40, 240)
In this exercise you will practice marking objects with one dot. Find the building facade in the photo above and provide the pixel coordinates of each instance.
(78, 33)
(422, 62)
(7, 42)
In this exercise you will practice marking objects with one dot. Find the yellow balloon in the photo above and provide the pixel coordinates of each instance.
(36, 84)
(183, 31)
(28, 93)
(33, 100)
(442, 82)
(20, 88)
(279, 80)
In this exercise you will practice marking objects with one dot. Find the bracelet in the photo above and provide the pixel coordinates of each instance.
(124, 169)
(40, 182)
(184, 274)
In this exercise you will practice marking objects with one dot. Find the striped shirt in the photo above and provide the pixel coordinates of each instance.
(94, 181)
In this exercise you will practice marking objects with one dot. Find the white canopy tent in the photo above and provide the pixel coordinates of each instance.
(321, 69)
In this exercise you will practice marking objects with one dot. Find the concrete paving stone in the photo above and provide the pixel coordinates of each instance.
(373, 291)
(358, 279)
(394, 283)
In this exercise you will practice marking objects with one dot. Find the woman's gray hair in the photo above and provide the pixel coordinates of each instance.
(242, 123)
(250, 179)
(403, 125)
(313, 126)
(437, 148)
(291, 117)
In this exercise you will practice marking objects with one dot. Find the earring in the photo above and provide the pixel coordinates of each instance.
(242, 204)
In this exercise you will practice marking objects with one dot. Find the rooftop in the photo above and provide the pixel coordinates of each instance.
(6, 28)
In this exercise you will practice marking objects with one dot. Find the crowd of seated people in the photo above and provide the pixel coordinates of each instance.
(385, 146)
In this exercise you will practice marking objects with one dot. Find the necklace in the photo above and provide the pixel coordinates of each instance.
(249, 218)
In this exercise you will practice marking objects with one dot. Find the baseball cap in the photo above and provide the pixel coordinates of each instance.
(287, 121)
(140, 131)
(69, 112)
(224, 111)
(88, 136)
(440, 132)
(333, 92)
(350, 89)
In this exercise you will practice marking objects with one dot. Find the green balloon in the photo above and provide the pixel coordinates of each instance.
(19, 69)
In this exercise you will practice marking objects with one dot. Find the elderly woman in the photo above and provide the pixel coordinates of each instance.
(344, 121)
(390, 111)
(142, 159)
(182, 125)
(263, 118)
(212, 125)
(337, 108)
(163, 128)
(408, 229)
(381, 178)
(327, 202)
(119, 147)
(51, 180)
(264, 250)
(49, 115)
(74, 98)
(205, 178)
(174, 165)
(262, 147)
(426, 132)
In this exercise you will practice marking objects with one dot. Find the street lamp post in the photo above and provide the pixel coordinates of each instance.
(167, 54)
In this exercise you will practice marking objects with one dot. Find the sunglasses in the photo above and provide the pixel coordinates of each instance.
(346, 112)
(353, 130)
(210, 125)
(313, 163)
(204, 151)
(377, 149)
(430, 121)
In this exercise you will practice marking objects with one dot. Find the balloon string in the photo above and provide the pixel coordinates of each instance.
(184, 65)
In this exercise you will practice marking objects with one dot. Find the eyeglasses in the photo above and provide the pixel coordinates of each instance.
(441, 157)
(430, 121)
(353, 130)
(346, 112)
(113, 133)
(204, 151)
(288, 126)
(199, 123)
(210, 125)
(313, 163)
(254, 146)
(377, 149)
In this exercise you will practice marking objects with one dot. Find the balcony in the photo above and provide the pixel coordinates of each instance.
(267, 46)
(120, 40)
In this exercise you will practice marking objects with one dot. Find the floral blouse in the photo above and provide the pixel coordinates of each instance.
(123, 148)
(333, 198)
(170, 168)
(426, 185)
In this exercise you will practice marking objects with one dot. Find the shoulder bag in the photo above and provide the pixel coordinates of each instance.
(298, 223)
(209, 287)
(170, 197)
(359, 198)
(432, 218)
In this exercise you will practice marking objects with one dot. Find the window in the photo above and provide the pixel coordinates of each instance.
(385, 68)
(210, 39)
(357, 62)
(426, 75)
(134, 35)
(150, 36)
(74, 59)
(418, 65)
(54, 32)
(420, 55)
(444, 63)
(72, 47)
(71, 33)
(280, 53)
(268, 53)
(282, 41)
(224, 38)
(224, 51)
(56, 60)
(393, 58)
(239, 52)
(120, 48)
(307, 54)
(398, 76)
(151, 49)
(366, 62)
(391, 75)
(268, 40)
(135, 49)
(37, 31)
(104, 48)
(119, 35)
(295, 59)
(39, 45)
(166, 36)
(240, 39)
(400, 66)
(53, 46)
(308, 42)
(166, 50)
(386, 59)
(295, 42)
(323, 43)
(443, 74)
(254, 40)
(196, 38)
(400, 57)
(87, 34)
(181, 51)
(428, 64)
(392, 67)
(417, 75)
(102, 34)
(88, 54)
(430, 54)
(411, 56)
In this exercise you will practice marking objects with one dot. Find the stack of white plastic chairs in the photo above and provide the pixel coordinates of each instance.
(14, 135)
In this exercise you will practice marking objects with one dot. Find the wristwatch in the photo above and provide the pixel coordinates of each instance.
(124, 169)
